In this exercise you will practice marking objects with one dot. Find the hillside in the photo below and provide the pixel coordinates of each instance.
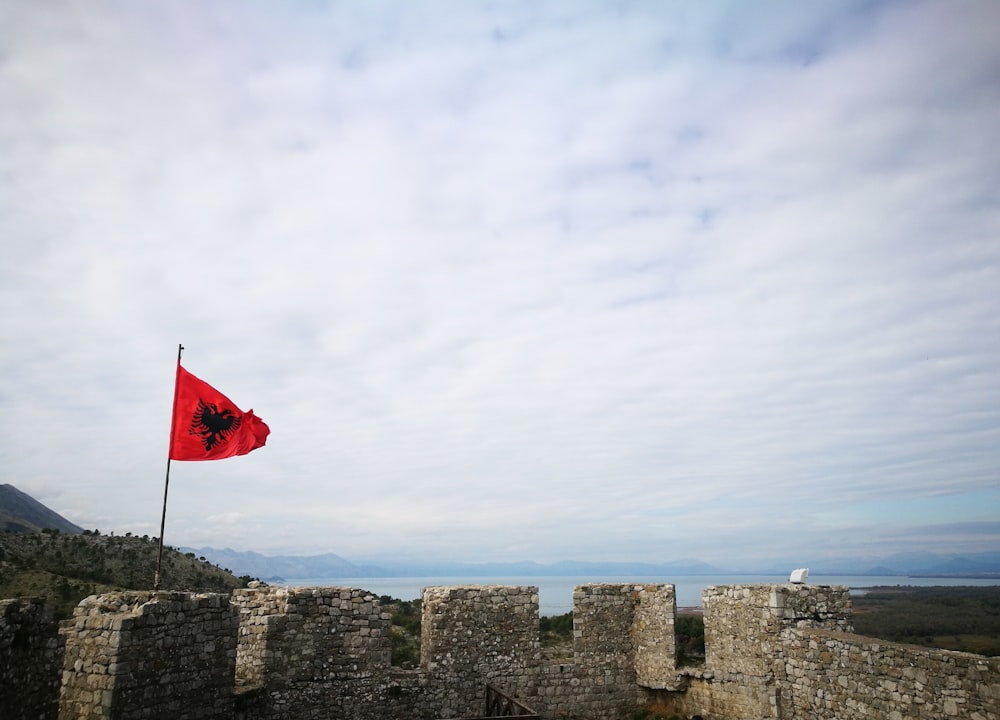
(22, 513)
(66, 568)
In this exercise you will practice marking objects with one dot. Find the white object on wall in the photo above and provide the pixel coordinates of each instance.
(799, 576)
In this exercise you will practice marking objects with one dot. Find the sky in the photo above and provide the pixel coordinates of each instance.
(604, 281)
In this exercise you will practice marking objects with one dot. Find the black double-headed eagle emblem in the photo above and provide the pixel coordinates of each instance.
(212, 425)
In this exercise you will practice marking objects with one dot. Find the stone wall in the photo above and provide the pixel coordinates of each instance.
(828, 675)
(743, 622)
(479, 634)
(149, 656)
(743, 626)
(262, 613)
(773, 651)
(728, 696)
(31, 656)
(623, 637)
(314, 653)
(786, 652)
(654, 637)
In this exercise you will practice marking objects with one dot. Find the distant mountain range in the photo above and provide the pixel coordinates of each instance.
(985, 565)
(333, 566)
(915, 564)
(265, 567)
(21, 513)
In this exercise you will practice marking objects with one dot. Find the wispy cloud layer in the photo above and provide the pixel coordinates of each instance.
(517, 281)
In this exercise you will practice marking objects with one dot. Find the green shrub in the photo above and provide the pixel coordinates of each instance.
(555, 629)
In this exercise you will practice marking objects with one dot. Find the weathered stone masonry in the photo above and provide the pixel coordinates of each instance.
(321, 653)
(834, 675)
(474, 635)
(623, 639)
(313, 653)
(742, 627)
(30, 660)
(139, 656)
(787, 651)
(773, 651)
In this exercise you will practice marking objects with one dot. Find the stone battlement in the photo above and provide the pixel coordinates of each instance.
(772, 651)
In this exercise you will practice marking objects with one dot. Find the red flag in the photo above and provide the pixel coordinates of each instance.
(208, 426)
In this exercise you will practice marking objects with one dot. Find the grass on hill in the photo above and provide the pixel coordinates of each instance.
(406, 615)
(949, 618)
(66, 568)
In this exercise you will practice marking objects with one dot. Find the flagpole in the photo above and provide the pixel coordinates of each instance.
(166, 482)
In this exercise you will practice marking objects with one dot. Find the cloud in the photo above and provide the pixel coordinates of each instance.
(230, 518)
(524, 281)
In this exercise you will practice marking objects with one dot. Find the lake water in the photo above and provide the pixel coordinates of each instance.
(555, 593)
